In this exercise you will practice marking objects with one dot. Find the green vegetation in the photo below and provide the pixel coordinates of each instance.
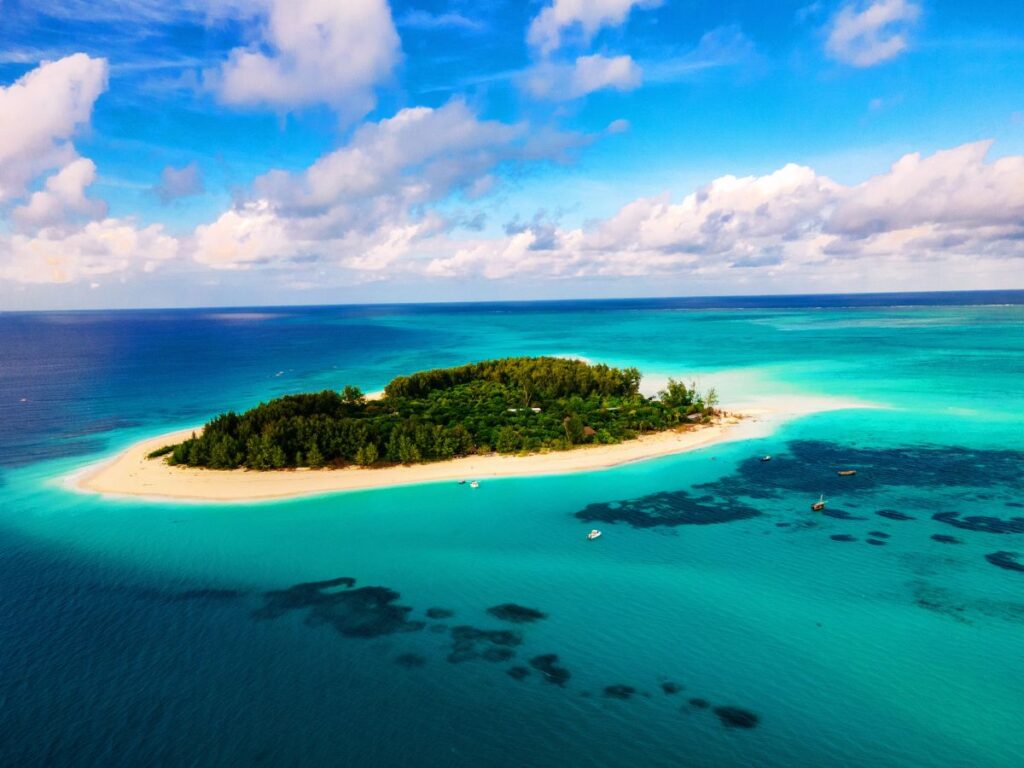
(510, 405)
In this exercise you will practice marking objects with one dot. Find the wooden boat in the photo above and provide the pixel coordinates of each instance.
(819, 504)
(594, 534)
(847, 472)
(766, 457)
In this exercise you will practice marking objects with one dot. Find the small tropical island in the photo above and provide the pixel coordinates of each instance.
(510, 417)
(513, 405)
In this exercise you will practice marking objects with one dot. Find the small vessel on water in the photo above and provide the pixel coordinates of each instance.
(462, 482)
(474, 484)
(819, 504)
(847, 472)
(766, 457)
(594, 534)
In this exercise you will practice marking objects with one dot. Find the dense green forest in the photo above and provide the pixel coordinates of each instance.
(511, 405)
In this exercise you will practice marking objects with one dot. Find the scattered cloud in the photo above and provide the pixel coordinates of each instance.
(720, 47)
(99, 248)
(179, 182)
(62, 197)
(952, 207)
(313, 52)
(561, 82)
(865, 35)
(52, 102)
(420, 19)
(370, 202)
(548, 29)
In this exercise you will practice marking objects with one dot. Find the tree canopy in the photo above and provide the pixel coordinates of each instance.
(509, 405)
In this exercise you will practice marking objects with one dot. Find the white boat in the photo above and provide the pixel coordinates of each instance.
(474, 484)
(593, 534)
(766, 457)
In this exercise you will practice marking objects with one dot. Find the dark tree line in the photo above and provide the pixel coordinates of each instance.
(508, 405)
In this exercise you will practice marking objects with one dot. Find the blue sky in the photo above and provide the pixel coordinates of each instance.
(312, 151)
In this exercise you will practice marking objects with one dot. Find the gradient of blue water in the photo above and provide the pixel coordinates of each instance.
(128, 629)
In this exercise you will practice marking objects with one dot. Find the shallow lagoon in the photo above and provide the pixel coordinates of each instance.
(191, 634)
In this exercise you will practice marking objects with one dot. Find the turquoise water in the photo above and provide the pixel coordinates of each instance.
(142, 632)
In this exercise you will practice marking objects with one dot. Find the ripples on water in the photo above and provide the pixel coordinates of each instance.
(717, 622)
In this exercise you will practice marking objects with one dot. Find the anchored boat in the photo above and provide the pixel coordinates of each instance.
(819, 504)
(594, 534)
(847, 472)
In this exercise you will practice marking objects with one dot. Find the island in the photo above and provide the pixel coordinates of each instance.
(518, 416)
(509, 406)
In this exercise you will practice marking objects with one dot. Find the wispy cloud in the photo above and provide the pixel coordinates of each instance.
(439, 21)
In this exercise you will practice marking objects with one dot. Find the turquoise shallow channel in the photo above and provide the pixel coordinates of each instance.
(353, 629)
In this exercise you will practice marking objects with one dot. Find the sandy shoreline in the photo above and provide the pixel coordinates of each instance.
(131, 473)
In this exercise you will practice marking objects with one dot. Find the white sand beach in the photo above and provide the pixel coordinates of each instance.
(131, 473)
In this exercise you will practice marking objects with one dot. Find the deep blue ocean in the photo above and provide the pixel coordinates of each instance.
(717, 622)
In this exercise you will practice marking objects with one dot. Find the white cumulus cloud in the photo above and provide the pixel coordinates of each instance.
(41, 112)
(313, 52)
(99, 248)
(63, 196)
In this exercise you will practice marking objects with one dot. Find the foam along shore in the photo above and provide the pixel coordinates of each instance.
(132, 473)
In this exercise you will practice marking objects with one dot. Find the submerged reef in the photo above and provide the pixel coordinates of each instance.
(470, 643)
(547, 665)
(619, 691)
(1006, 560)
(892, 514)
(517, 673)
(981, 523)
(945, 538)
(669, 509)
(735, 717)
(809, 467)
(516, 614)
(363, 612)
(843, 537)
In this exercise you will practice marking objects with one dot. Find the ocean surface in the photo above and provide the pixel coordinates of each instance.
(717, 622)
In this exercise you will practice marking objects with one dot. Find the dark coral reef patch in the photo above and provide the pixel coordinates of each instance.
(892, 514)
(516, 614)
(808, 467)
(843, 537)
(945, 538)
(669, 509)
(547, 665)
(735, 717)
(619, 691)
(470, 643)
(981, 523)
(363, 612)
(1006, 560)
